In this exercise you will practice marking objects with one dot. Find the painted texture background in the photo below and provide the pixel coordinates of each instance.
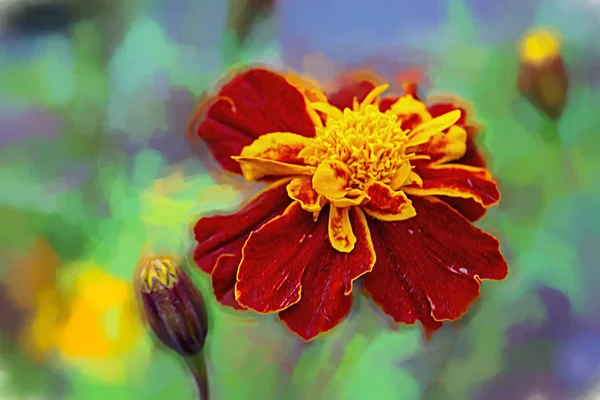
(95, 171)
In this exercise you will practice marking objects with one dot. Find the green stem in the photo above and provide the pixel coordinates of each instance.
(197, 367)
(561, 158)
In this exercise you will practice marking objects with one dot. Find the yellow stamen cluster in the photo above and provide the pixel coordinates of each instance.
(370, 143)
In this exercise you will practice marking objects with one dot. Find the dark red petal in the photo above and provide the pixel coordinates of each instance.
(272, 278)
(431, 265)
(327, 281)
(411, 121)
(252, 104)
(473, 156)
(219, 234)
(206, 257)
(274, 259)
(469, 208)
(344, 97)
(438, 110)
(386, 103)
(224, 279)
(455, 180)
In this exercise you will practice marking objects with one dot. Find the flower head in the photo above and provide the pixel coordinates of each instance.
(173, 307)
(358, 185)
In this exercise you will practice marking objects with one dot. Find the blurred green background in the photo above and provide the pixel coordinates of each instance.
(96, 172)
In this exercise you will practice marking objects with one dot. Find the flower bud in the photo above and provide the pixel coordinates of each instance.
(174, 308)
(542, 76)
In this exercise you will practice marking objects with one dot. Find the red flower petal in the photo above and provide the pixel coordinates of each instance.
(269, 277)
(444, 147)
(386, 103)
(455, 180)
(274, 259)
(224, 279)
(387, 204)
(327, 282)
(473, 155)
(440, 109)
(252, 104)
(469, 208)
(431, 265)
(344, 97)
(219, 234)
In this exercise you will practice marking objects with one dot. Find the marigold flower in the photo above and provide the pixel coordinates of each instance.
(358, 186)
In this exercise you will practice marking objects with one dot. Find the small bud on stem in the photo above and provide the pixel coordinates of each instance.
(542, 76)
(175, 311)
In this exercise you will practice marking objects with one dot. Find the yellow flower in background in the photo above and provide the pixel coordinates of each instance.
(92, 323)
(102, 326)
(102, 319)
(39, 335)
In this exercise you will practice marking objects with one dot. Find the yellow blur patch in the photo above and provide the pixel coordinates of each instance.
(103, 322)
(540, 45)
(39, 336)
(171, 200)
(33, 287)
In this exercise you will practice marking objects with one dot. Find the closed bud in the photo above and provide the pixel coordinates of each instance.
(542, 76)
(174, 308)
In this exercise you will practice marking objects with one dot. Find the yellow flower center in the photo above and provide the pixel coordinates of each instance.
(370, 143)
